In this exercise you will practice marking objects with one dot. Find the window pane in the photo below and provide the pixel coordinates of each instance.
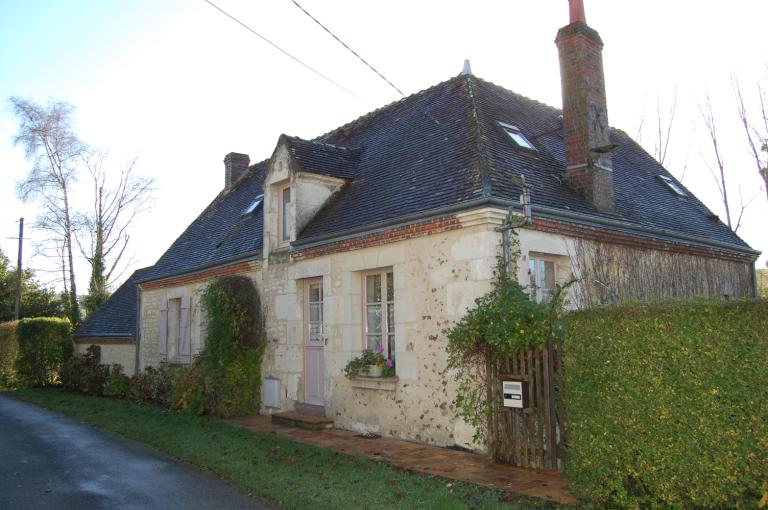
(391, 339)
(373, 318)
(315, 293)
(547, 274)
(374, 342)
(286, 211)
(390, 288)
(391, 318)
(315, 312)
(532, 271)
(373, 288)
(315, 331)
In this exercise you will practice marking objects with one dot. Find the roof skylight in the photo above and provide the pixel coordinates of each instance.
(517, 137)
(673, 186)
(256, 202)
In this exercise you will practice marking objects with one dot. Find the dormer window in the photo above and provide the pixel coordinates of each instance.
(251, 208)
(517, 137)
(286, 214)
(672, 185)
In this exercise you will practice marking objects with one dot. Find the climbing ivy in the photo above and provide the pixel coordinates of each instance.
(225, 380)
(502, 322)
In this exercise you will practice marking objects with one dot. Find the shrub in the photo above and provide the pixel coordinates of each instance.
(9, 347)
(84, 373)
(117, 384)
(226, 379)
(667, 405)
(44, 346)
(153, 385)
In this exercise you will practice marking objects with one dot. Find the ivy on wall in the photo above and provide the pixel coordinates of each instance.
(225, 380)
(502, 322)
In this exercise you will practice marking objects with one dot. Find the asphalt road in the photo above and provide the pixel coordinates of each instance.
(50, 462)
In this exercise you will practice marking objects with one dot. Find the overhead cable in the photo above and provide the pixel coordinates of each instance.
(348, 48)
(281, 50)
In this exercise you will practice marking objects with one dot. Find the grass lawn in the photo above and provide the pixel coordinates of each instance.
(291, 474)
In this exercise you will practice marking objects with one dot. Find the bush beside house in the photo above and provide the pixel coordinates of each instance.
(44, 346)
(667, 406)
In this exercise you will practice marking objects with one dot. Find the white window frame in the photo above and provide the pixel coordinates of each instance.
(672, 185)
(387, 329)
(538, 292)
(283, 235)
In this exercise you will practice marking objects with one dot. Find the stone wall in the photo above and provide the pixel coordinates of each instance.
(123, 353)
(155, 294)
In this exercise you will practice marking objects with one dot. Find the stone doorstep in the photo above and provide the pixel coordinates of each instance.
(303, 421)
(310, 409)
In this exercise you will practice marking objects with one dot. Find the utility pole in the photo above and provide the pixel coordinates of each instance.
(18, 267)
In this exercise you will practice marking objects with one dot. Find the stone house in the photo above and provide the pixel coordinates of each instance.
(382, 232)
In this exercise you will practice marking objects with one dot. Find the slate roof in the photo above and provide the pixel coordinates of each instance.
(323, 158)
(221, 233)
(117, 316)
(442, 148)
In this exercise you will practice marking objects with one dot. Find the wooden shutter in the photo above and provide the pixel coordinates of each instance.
(185, 336)
(163, 347)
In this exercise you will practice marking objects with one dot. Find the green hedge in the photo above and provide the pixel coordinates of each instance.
(667, 405)
(45, 345)
(8, 349)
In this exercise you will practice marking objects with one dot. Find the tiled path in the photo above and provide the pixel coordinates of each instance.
(450, 464)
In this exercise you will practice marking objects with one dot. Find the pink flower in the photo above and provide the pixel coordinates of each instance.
(380, 350)
(390, 362)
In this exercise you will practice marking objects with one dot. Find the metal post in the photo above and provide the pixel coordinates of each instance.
(18, 269)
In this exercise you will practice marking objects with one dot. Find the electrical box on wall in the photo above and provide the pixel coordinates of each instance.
(515, 394)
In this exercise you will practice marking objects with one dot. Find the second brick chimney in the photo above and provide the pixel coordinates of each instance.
(588, 166)
(235, 165)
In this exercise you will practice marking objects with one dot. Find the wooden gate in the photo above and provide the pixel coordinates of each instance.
(529, 437)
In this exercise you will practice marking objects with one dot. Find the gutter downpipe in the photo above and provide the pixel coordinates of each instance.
(138, 330)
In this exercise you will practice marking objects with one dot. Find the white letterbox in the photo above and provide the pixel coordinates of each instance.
(515, 394)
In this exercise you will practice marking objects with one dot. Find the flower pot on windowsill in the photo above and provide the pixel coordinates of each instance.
(374, 371)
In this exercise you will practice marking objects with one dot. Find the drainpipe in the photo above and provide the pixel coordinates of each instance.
(508, 225)
(138, 330)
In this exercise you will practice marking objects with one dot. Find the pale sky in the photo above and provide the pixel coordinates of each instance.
(180, 85)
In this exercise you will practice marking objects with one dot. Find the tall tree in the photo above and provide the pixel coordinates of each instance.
(756, 129)
(53, 148)
(103, 232)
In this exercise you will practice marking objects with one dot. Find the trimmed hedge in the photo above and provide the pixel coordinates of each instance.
(667, 405)
(45, 345)
(9, 346)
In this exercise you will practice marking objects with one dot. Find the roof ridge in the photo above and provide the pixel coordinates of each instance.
(521, 96)
(482, 158)
(326, 144)
(368, 116)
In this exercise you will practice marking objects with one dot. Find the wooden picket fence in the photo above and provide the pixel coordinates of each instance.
(529, 437)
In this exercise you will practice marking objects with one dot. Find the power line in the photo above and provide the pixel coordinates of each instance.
(348, 48)
(281, 50)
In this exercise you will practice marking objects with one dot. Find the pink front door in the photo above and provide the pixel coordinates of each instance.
(314, 343)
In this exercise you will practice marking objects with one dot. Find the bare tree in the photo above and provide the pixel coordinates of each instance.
(103, 232)
(664, 128)
(50, 144)
(718, 171)
(757, 132)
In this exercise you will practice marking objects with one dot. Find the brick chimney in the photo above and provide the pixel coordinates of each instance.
(588, 167)
(235, 165)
